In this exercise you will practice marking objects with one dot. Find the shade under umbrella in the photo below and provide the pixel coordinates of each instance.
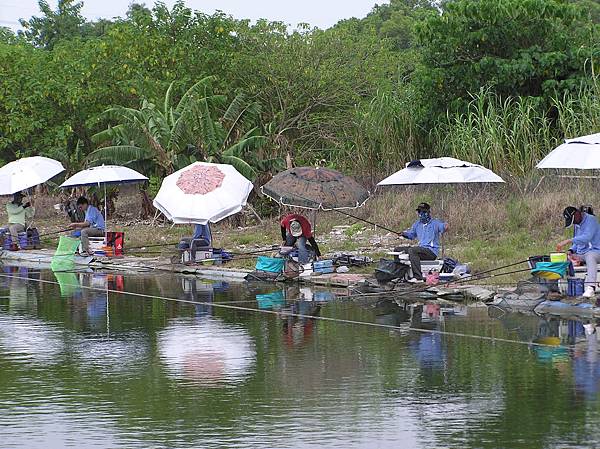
(582, 153)
(203, 192)
(315, 188)
(443, 170)
(102, 175)
(27, 172)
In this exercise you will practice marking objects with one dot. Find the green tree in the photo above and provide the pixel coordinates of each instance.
(516, 47)
(52, 26)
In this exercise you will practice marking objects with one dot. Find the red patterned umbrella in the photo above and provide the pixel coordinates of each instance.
(315, 188)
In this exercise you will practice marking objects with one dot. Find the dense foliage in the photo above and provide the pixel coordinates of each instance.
(495, 81)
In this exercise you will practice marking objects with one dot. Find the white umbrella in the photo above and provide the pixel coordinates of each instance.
(442, 170)
(27, 172)
(581, 153)
(202, 192)
(103, 175)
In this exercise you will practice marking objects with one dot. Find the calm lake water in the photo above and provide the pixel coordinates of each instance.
(82, 369)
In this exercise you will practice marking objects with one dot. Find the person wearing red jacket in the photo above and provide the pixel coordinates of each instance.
(296, 230)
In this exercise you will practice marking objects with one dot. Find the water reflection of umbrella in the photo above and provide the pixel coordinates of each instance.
(27, 172)
(315, 188)
(203, 192)
(208, 352)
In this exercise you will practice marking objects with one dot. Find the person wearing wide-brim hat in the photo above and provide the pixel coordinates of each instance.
(427, 231)
(18, 215)
(585, 244)
(296, 230)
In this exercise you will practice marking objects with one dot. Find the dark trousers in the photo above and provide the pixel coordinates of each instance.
(415, 255)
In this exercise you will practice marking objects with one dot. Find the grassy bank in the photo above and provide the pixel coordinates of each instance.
(490, 226)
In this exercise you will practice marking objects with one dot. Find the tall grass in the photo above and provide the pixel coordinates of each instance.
(510, 135)
(506, 135)
(384, 134)
(579, 113)
(513, 134)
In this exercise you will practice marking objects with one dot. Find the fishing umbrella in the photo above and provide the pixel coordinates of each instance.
(104, 175)
(27, 172)
(582, 153)
(442, 170)
(315, 188)
(202, 192)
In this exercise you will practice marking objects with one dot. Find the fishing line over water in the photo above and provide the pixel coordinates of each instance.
(291, 314)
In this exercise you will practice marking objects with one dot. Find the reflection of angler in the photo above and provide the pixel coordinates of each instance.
(427, 347)
(586, 367)
(198, 291)
(298, 329)
(116, 282)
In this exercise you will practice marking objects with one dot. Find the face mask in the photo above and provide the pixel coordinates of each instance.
(424, 217)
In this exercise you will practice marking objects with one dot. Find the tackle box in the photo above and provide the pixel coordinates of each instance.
(323, 266)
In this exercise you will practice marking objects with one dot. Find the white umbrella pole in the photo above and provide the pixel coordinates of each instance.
(105, 208)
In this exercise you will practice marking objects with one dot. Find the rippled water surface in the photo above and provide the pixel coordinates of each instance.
(80, 367)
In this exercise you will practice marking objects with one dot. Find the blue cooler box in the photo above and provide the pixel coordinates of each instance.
(323, 266)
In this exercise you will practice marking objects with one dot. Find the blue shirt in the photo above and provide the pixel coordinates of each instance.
(94, 218)
(427, 234)
(203, 232)
(587, 235)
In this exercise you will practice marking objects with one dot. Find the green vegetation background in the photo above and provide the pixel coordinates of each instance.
(498, 82)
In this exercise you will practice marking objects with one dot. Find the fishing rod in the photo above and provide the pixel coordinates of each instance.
(473, 278)
(352, 216)
(369, 222)
(424, 288)
(55, 232)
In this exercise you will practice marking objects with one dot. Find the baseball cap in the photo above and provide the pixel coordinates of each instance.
(423, 207)
(569, 214)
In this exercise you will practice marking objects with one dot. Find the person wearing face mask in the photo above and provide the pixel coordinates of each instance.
(427, 231)
(585, 244)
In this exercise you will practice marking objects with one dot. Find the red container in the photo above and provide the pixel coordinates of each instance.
(116, 240)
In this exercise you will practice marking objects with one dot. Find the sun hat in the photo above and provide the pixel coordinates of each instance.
(295, 228)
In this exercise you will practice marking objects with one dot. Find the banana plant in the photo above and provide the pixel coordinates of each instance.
(173, 136)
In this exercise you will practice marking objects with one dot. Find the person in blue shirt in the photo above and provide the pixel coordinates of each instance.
(585, 244)
(91, 226)
(427, 231)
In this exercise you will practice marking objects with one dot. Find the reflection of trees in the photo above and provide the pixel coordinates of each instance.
(348, 375)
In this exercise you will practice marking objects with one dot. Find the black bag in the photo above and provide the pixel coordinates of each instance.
(449, 265)
(389, 269)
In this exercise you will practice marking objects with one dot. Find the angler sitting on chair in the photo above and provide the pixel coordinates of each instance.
(427, 231)
(296, 231)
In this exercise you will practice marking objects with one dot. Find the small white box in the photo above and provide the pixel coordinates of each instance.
(201, 254)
